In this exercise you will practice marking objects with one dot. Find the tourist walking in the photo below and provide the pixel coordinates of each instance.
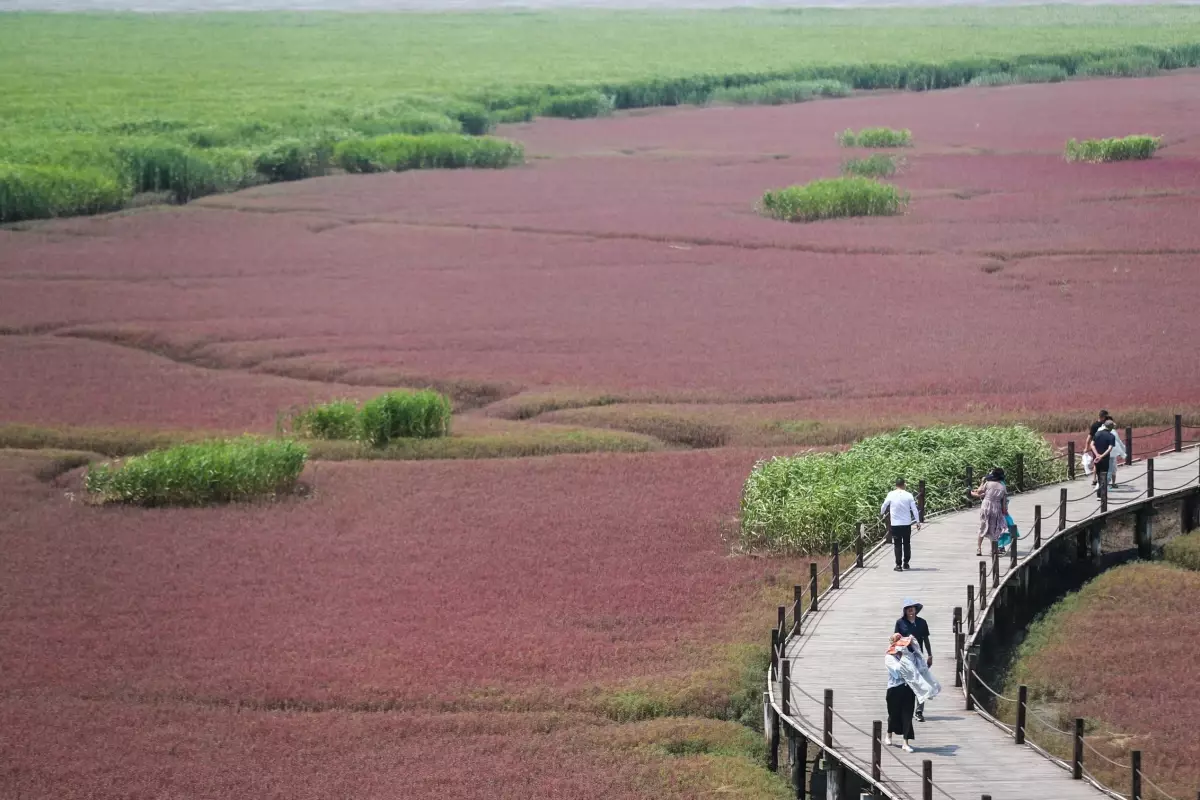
(1089, 468)
(1118, 452)
(909, 683)
(911, 626)
(1102, 454)
(901, 508)
(993, 514)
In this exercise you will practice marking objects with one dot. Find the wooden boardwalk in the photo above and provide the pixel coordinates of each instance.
(842, 648)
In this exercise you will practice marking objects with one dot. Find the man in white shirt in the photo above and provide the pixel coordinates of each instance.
(902, 508)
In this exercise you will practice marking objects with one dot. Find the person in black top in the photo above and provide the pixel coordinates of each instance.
(1103, 442)
(911, 625)
(1096, 425)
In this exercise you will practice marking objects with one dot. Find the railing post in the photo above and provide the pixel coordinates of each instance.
(960, 639)
(812, 586)
(956, 620)
(970, 483)
(800, 767)
(1077, 756)
(921, 499)
(1037, 527)
(1071, 460)
(1062, 509)
(1179, 433)
(837, 568)
(983, 590)
(828, 737)
(995, 566)
(1128, 446)
(927, 780)
(773, 730)
(1022, 700)
(785, 686)
(1012, 554)
(876, 750)
(1103, 484)
(1149, 477)
(781, 620)
(1135, 775)
(774, 652)
(969, 681)
(1020, 476)
(971, 610)
(858, 546)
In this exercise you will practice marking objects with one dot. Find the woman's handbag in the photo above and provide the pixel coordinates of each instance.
(1006, 538)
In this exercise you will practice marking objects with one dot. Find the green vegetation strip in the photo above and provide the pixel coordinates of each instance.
(875, 138)
(876, 165)
(833, 198)
(806, 503)
(96, 108)
(395, 415)
(1184, 551)
(1128, 148)
(199, 474)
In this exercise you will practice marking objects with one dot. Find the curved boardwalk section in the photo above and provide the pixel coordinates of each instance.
(841, 647)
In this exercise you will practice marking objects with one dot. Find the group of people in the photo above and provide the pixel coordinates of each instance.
(911, 684)
(909, 657)
(1102, 452)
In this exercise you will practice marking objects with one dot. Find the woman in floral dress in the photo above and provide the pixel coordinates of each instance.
(992, 522)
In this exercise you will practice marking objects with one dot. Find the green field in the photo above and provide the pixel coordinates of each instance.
(100, 96)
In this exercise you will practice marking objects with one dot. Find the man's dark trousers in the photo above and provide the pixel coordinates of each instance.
(902, 543)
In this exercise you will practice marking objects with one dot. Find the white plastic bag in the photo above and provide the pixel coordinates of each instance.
(1088, 466)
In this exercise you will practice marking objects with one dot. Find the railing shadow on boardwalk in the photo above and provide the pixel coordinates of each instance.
(1004, 585)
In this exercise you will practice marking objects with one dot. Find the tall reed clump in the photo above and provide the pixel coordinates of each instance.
(834, 197)
(774, 93)
(199, 474)
(876, 165)
(401, 414)
(579, 105)
(395, 415)
(435, 151)
(1128, 148)
(37, 192)
(806, 503)
(1184, 551)
(1130, 65)
(184, 172)
(876, 137)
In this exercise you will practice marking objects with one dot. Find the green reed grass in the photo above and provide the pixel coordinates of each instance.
(806, 503)
(834, 197)
(404, 414)
(1133, 65)
(36, 192)
(200, 474)
(340, 419)
(875, 138)
(1128, 148)
(580, 105)
(435, 151)
(773, 93)
(876, 165)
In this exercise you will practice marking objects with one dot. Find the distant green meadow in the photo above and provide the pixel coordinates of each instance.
(97, 107)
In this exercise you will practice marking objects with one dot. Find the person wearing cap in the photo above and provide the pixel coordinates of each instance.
(1089, 466)
(911, 626)
(901, 508)
(900, 697)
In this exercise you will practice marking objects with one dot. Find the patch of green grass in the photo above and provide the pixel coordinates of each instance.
(1040, 73)
(876, 165)
(399, 152)
(1131, 65)
(581, 105)
(37, 192)
(535, 442)
(833, 198)
(1184, 551)
(405, 415)
(876, 138)
(993, 79)
(337, 420)
(200, 474)
(805, 503)
(1128, 148)
(774, 93)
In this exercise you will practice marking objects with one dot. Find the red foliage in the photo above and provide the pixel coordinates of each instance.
(652, 273)
(399, 584)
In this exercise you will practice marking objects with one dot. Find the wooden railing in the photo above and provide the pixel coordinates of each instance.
(791, 619)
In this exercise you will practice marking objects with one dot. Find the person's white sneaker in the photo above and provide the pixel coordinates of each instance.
(887, 740)
(906, 747)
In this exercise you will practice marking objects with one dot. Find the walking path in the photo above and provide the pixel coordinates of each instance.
(842, 648)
